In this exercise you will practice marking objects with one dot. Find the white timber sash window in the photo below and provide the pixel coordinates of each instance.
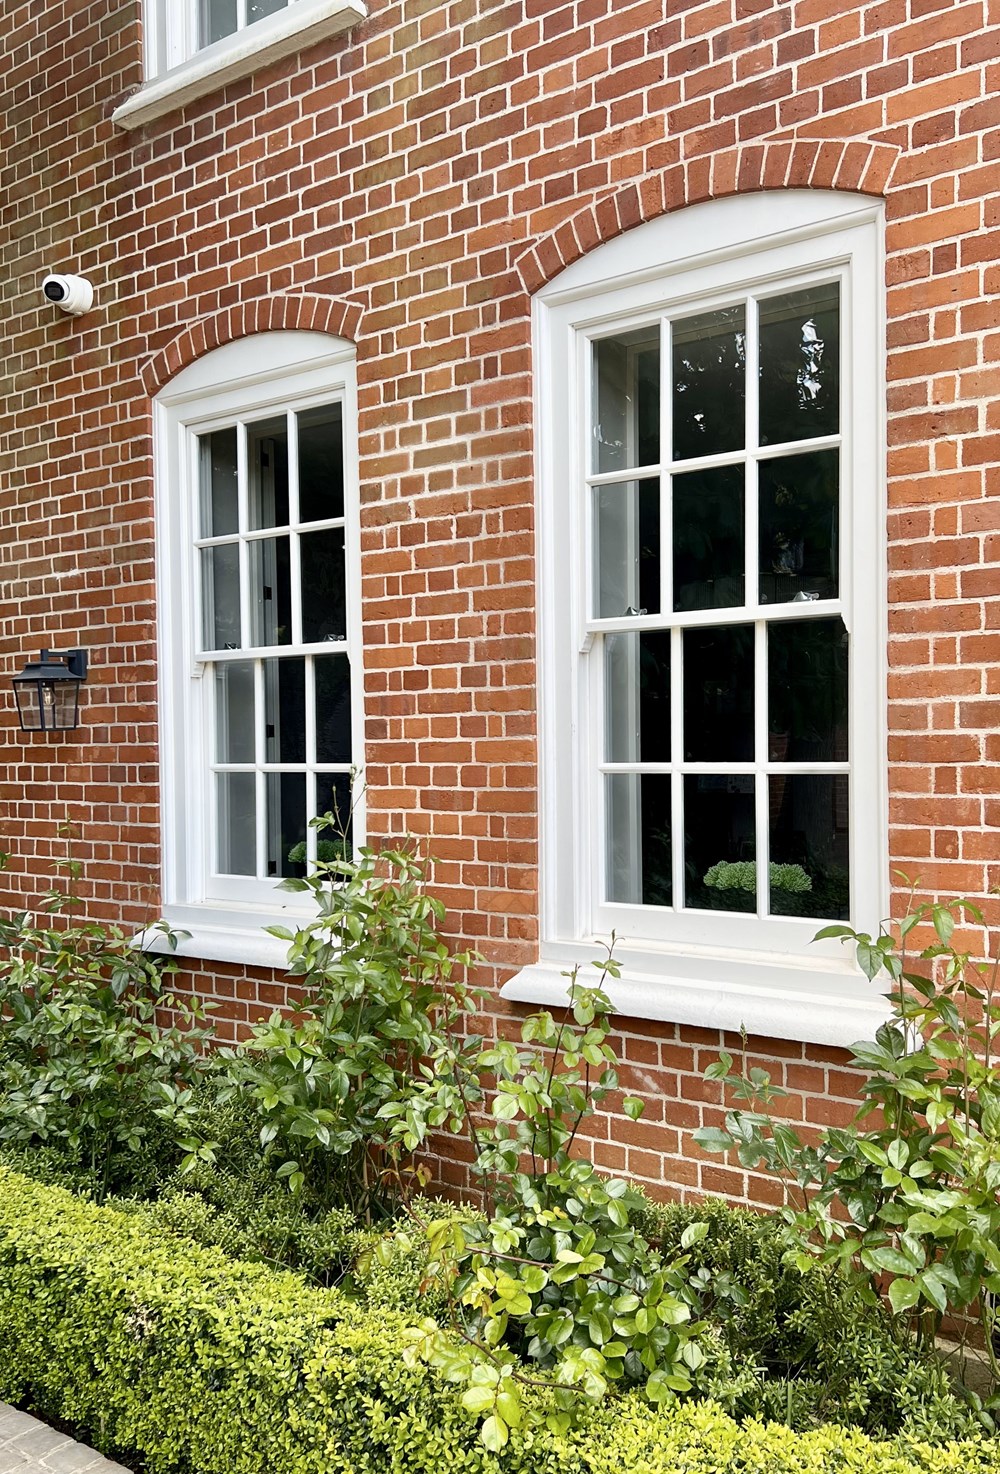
(195, 47)
(260, 692)
(711, 517)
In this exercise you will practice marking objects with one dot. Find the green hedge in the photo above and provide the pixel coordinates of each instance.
(208, 1365)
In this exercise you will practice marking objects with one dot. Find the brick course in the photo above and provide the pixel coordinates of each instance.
(409, 186)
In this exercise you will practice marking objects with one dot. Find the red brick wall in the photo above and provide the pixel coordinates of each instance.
(428, 171)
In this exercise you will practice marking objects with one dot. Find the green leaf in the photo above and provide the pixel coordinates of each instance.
(903, 1295)
(633, 1107)
(693, 1234)
(495, 1434)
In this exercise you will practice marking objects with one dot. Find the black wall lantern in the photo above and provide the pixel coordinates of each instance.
(48, 691)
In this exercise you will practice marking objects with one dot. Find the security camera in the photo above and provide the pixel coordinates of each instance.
(72, 294)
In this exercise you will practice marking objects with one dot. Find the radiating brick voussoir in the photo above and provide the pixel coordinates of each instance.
(303, 312)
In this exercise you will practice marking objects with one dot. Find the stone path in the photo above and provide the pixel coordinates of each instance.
(30, 1447)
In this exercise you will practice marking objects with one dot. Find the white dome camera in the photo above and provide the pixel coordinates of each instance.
(72, 294)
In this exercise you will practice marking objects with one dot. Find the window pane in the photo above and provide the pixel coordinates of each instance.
(627, 549)
(709, 553)
(218, 19)
(333, 796)
(799, 517)
(236, 802)
(807, 691)
(709, 383)
(257, 9)
(719, 842)
(809, 846)
(800, 365)
(627, 400)
(234, 712)
(270, 591)
(637, 697)
(719, 694)
(285, 710)
(267, 468)
(321, 463)
(286, 823)
(324, 601)
(220, 570)
(219, 495)
(333, 709)
(638, 838)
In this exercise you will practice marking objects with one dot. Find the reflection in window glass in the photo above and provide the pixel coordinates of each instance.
(321, 463)
(333, 709)
(720, 842)
(267, 456)
(234, 712)
(257, 9)
(236, 824)
(799, 527)
(627, 549)
(709, 383)
(637, 697)
(220, 568)
(333, 796)
(807, 668)
(719, 694)
(626, 425)
(810, 857)
(286, 823)
(709, 557)
(285, 710)
(218, 19)
(219, 487)
(638, 827)
(270, 591)
(800, 365)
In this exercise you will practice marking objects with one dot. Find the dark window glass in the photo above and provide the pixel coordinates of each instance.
(286, 824)
(333, 709)
(800, 365)
(220, 568)
(638, 826)
(321, 464)
(324, 602)
(799, 527)
(807, 691)
(267, 464)
(719, 842)
(709, 383)
(219, 487)
(637, 697)
(270, 591)
(333, 796)
(218, 19)
(285, 710)
(627, 400)
(809, 845)
(257, 9)
(719, 694)
(627, 549)
(709, 552)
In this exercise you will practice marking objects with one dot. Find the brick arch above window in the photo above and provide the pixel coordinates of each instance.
(302, 312)
(855, 165)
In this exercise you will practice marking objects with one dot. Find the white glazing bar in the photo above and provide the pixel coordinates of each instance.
(243, 515)
(711, 462)
(737, 614)
(311, 836)
(677, 777)
(761, 796)
(751, 503)
(241, 14)
(294, 558)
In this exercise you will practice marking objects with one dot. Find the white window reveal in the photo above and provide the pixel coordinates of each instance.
(195, 47)
(260, 708)
(712, 648)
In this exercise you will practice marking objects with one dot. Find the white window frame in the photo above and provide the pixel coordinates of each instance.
(178, 70)
(710, 969)
(256, 377)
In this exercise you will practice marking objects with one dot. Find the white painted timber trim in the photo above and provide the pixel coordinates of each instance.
(769, 1001)
(237, 56)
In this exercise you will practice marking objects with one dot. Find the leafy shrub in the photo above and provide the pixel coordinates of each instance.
(554, 1278)
(911, 1189)
(197, 1362)
(381, 991)
(86, 1069)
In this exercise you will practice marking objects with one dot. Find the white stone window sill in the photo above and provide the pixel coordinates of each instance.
(822, 1002)
(230, 935)
(235, 57)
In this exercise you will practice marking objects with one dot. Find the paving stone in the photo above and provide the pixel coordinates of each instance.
(30, 1447)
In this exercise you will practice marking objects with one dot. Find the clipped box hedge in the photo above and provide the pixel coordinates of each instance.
(206, 1364)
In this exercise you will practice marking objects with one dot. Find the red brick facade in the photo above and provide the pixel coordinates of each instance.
(409, 186)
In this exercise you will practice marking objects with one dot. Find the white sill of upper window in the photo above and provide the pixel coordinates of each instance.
(237, 56)
(811, 1001)
(214, 934)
